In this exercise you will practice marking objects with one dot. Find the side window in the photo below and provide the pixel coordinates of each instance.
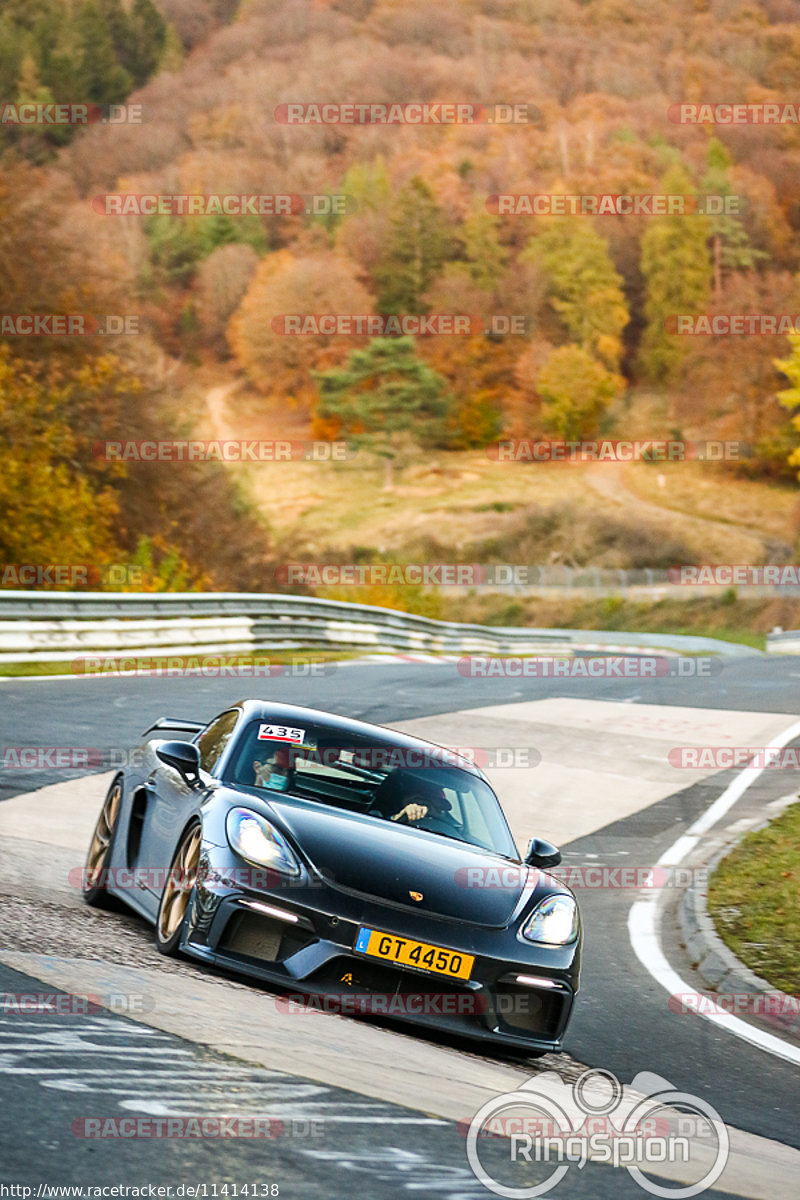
(214, 739)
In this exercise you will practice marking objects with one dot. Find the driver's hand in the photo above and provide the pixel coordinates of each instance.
(262, 771)
(412, 812)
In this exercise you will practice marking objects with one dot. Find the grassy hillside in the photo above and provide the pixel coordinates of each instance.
(466, 506)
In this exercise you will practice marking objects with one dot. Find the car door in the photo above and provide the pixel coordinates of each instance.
(171, 801)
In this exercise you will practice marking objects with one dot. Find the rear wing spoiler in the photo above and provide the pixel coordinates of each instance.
(174, 725)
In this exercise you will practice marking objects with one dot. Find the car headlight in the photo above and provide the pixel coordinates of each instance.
(554, 921)
(252, 836)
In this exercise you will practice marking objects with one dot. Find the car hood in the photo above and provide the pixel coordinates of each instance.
(387, 862)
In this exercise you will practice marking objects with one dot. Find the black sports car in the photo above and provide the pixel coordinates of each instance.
(365, 868)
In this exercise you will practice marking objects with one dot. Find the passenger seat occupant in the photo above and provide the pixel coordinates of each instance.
(274, 771)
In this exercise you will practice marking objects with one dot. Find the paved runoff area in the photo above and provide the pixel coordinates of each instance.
(597, 763)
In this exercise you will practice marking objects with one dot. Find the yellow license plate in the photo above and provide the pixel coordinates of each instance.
(409, 953)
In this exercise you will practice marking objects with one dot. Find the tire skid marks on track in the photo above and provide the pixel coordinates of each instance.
(78, 1040)
(168, 1080)
(393, 1164)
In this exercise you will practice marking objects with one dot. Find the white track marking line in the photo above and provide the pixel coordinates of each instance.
(643, 917)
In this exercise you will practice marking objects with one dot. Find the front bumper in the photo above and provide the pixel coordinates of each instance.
(301, 934)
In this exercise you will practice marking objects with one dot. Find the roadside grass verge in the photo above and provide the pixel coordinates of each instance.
(727, 616)
(298, 658)
(754, 900)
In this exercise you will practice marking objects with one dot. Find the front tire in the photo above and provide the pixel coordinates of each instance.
(93, 883)
(177, 893)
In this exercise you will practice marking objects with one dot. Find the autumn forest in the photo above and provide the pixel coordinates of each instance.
(401, 221)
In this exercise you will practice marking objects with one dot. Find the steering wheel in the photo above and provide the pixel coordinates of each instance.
(437, 821)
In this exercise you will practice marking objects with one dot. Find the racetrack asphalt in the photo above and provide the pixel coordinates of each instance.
(622, 1023)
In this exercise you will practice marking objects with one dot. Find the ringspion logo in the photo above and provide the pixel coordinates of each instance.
(560, 1125)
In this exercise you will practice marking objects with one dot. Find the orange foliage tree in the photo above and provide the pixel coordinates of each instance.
(280, 364)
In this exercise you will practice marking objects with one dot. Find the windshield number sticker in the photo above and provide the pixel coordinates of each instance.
(281, 733)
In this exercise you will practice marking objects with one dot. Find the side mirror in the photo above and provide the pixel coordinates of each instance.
(183, 757)
(542, 854)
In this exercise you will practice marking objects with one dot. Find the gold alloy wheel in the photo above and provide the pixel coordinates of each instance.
(101, 839)
(175, 900)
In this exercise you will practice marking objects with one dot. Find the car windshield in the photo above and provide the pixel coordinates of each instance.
(414, 786)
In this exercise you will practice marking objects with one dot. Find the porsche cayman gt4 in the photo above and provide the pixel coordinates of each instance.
(371, 871)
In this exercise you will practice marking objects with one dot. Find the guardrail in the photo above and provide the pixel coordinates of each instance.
(785, 642)
(59, 626)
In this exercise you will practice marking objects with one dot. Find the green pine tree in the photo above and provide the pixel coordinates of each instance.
(104, 80)
(11, 54)
(417, 247)
(677, 271)
(36, 141)
(148, 36)
(119, 27)
(173, 55)
(179, 244)
(386, 400)
(731, 247)
(583, 286)
(485, 254)
(62, 58)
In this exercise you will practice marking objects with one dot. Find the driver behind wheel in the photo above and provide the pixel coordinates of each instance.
(429, 800)
(414, 801)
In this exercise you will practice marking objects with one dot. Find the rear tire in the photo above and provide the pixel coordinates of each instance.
(177, 894)
(93, 884)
